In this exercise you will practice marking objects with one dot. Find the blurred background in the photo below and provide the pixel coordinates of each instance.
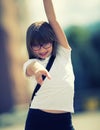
(81, 23)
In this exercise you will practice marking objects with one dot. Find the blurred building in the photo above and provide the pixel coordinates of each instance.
(13, 90)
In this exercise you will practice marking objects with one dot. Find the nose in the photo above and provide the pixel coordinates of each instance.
(42, 49)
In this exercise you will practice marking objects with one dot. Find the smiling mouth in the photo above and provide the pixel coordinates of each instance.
(43, 54)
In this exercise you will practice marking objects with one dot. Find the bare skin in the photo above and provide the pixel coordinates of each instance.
(43, 53)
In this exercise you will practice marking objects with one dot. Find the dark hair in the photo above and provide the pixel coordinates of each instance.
(37, 33)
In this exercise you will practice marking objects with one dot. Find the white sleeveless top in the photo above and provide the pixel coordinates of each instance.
(58, 92)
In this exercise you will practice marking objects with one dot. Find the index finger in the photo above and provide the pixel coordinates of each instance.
(46, 73)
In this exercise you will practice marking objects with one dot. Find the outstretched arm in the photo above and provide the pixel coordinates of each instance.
(37, 70)
(50, 13)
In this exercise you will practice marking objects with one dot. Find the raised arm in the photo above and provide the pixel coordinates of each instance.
(50, 13)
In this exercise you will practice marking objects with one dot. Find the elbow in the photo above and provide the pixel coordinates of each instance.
(53, 21)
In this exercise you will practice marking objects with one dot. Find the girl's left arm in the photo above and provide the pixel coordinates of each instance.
(50, 13)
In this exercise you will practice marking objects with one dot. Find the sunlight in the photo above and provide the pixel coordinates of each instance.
(67, 11)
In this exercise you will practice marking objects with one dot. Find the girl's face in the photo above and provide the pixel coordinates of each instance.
(42, 51)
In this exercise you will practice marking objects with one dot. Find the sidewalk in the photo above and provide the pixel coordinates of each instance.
(87, 121)
(82, 121)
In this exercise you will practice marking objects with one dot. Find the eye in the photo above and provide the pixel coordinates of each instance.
(36, 47)
(47, 45)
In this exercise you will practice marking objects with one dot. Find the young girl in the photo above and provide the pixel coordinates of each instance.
(52, 104)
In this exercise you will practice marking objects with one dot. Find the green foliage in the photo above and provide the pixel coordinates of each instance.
(78, 35)
(85, 43)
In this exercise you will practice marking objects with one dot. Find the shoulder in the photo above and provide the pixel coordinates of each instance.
(62, 50)
(63, 53)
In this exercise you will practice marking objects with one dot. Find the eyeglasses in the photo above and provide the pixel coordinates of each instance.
(38, 47)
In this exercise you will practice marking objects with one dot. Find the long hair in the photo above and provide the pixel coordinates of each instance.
(37, 33)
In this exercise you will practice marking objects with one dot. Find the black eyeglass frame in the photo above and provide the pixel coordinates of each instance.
(38, 47)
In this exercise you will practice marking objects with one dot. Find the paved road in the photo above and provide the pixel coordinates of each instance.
(83, 121)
